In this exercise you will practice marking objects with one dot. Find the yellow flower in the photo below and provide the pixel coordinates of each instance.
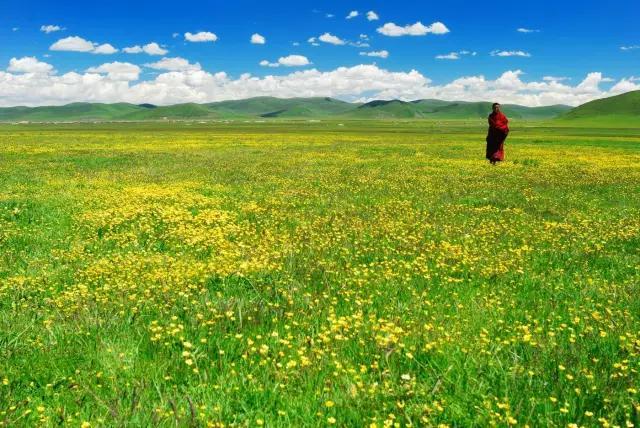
(331, 420)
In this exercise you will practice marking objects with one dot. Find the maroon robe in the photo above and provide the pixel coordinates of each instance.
(498, 131)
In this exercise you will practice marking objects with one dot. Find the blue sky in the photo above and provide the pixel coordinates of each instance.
(570, 39)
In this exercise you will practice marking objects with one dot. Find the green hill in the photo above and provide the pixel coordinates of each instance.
(69, 112)
(282, 107)
(270, 107)
(437, 109)
(619, 110)
(178, 111)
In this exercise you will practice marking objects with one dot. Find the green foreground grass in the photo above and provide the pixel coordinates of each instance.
(312, 274)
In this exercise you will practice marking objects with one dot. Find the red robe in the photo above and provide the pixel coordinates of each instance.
(498, 131)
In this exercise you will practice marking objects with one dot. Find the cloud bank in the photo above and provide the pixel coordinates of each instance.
(28, 81)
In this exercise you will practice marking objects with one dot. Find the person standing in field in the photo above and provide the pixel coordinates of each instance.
(498, 131)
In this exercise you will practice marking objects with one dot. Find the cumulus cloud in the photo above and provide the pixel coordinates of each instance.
(29, 64)
(150, 49)
(50, 28)
(555, 78)
(510, 53)
(294, 61)
(189, 83)
(258, 39)
(78, 44)
(174, 64)
(353, 14)
(287, 61)
(417, 29)
(118, 71)
(378, 54)
(372, 16)
(202, 36)
(73, 44)
(456, 55)
(104, 49)
(331, 39)
(527, 30)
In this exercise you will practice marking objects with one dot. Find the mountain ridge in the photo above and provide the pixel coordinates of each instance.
(316, 108)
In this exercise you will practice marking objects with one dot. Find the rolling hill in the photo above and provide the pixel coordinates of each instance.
(437, 109)
(270, 107)
(619, 110)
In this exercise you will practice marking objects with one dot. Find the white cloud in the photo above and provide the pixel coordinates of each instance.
(188, 83)
(265, 63)
(330, 38)
(150, 49)
(78, 44)
(105, 49)
(555, 79)
(456, 55)
(313, 41)
(417, 29)
(625, 85)
(451, 56)
(257, 39)
(73, 44)
(174, 64)
(29, 64)
(175, 35)
(202, 36)
(378, 54)
(50, 28)
(330, 15)
(133, 49)
(14, 29)
(510, 53)
(353, 14)
(629, 48)
(372, 16)
(287, 61)
(527, 30)
(118, 71)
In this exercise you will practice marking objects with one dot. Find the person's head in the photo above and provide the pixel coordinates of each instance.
(495, 107)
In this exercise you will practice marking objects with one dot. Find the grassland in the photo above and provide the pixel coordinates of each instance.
(314, 274)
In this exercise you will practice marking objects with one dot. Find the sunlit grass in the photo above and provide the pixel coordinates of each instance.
(368, 274)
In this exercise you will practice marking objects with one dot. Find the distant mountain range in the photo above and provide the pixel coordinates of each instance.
(626, 105)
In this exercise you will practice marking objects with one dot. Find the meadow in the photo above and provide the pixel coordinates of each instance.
(376, 274)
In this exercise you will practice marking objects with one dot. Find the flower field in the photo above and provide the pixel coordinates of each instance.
(318, 274)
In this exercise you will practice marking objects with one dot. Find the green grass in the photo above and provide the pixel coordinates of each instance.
(299, 273)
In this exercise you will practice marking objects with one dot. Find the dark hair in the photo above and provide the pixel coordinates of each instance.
(495, 104)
